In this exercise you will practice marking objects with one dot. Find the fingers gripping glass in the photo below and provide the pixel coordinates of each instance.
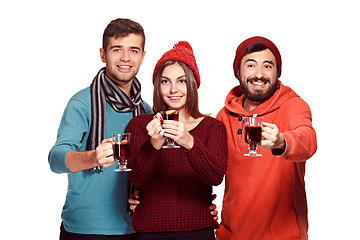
(253, 126)
(170, 115)
(121, 150)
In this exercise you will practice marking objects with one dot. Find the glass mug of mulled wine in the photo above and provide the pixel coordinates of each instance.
(170, 115)
(121, 150)
(253, 127)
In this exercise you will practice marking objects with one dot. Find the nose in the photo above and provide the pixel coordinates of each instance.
(173, 88)
(124, 56)
(259, 73)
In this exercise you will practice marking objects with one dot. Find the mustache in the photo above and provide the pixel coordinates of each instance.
(255, 79)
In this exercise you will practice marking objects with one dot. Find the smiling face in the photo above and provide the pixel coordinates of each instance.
(258, 75)
(123, 58)
(173, 86)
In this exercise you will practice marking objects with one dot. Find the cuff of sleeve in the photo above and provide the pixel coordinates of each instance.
(57, 160)
(284, 152)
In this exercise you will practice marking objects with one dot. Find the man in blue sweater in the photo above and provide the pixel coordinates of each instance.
(96, 201)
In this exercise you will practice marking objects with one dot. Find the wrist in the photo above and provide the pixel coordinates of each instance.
(156, 143)
(281, 144)
(280, 149)
(189, 144)
(79, 161)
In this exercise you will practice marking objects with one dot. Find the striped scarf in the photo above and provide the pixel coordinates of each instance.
(104, 90)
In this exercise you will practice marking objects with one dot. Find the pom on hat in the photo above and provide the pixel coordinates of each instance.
(183, 52)
(184, 44)
(241, 50)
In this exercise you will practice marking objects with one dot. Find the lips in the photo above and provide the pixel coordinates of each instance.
(256, 82)
(175, 98)
(124, 68)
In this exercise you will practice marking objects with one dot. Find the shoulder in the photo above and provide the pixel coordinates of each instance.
(295, 104)
(212, 122)
(147, 107)
(83, 96)
(140, 120)
(290, 97)
(79, 103)
(223, 114)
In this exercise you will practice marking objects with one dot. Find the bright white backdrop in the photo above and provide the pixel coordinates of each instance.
(49, 51)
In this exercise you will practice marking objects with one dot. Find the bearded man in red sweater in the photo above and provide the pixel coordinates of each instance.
(265, 195)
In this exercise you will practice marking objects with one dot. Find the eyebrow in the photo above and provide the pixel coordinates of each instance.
(121, 46)
(269, 61)
(250, 60)
(182, 76)
(266, 61)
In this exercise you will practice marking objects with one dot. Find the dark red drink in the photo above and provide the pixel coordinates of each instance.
(122, 150)
(253, 135)
(172, 115)
(117, 151)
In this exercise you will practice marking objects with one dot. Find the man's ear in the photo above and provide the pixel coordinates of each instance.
(238, 74)
(102, 55)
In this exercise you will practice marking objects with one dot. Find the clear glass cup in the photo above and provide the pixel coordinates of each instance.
(253, 128)
(121, 150)
(170, 115)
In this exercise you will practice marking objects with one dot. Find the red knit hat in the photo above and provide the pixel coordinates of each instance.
(183, 52)
(240, 52)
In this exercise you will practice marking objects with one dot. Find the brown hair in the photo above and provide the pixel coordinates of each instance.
(192, 99)
(122, 27)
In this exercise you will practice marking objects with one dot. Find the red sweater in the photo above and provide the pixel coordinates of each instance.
(265, 196)
(176, 183)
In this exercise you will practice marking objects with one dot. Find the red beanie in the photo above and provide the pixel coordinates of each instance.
(183, 52)
(240, 52)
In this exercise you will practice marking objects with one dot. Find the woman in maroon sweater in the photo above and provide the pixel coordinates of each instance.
(176, 183)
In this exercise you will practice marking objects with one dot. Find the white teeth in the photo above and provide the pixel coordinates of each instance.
(258, 83)
(174, 98)
(124, 67)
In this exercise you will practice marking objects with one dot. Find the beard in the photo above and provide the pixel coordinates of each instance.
(258, 95)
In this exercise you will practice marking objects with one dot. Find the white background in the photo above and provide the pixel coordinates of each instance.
(50, 50)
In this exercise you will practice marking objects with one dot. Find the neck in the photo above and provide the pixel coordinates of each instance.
(250, 105)
(185, 117)
(189, 121)
(125, 87)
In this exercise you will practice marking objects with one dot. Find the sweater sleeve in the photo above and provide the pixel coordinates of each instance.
(300, 136)
(73, 127)
(143, 156)
(209, 158)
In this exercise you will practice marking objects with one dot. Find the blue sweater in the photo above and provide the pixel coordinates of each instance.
(95, 202)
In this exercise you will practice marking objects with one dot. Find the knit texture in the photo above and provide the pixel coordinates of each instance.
(183, 52)
(176, 183)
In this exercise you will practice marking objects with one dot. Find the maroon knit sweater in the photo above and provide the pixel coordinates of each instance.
(176, 183)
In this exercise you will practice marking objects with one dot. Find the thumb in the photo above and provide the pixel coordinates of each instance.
(107, 140)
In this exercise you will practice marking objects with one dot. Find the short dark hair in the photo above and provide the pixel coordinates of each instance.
(257, 46)
(122, 27)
